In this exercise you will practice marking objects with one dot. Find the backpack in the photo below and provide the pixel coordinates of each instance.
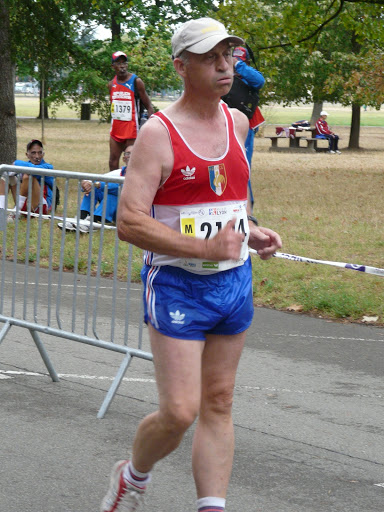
(301, 124)
(243, 97)
(140, 108)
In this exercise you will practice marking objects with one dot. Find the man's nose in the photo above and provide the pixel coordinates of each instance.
(222, 63)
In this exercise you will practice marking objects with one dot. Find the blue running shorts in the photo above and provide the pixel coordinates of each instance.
(188, 306)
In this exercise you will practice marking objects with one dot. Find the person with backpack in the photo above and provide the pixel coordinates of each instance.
(127, 92)
(254, 79)
(246, 98)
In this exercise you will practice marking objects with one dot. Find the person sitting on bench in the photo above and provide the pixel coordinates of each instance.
(323, 132)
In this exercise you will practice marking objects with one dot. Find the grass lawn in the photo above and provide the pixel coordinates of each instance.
(28, 106)
(327, 207)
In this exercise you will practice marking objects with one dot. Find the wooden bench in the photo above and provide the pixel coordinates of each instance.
(293, 143)
(312, 143)
(298, 143)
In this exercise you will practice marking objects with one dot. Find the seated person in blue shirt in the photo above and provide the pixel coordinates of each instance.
(113, 188)
(35, 155)
(99, 197)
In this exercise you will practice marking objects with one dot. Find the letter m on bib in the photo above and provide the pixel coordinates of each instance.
(217, 178)
(188, 227)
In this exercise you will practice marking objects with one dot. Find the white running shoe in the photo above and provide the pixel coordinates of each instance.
(87, 225)
(121, 495)
(331, 152)
(338, 152)
(68, 226)
(84, 226)
(12, 217)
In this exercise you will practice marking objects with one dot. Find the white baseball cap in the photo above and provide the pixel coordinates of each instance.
(324, 113)
(200, 36)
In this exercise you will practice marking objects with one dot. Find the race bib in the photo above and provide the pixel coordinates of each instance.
(121, 110)
(204, 223)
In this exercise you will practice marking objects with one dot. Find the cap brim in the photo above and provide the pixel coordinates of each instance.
(34, 141)
(210, 42)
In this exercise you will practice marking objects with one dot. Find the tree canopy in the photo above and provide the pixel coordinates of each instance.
(314, 51)
(330, 50)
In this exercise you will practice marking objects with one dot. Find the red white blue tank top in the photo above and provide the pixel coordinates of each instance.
(201, 194)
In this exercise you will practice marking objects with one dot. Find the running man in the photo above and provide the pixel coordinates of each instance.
(126, 90)
(184, 202)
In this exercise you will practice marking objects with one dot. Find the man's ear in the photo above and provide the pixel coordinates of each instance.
(179, 66)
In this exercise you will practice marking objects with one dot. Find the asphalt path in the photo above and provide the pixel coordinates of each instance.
(308, 414)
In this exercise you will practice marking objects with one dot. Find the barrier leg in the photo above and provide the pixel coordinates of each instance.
(4, 330)
(44, 355)
(115, 385)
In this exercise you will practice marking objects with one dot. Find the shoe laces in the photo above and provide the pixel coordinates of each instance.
(131, 500)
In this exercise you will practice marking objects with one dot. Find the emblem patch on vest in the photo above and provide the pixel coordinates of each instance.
(217, 178)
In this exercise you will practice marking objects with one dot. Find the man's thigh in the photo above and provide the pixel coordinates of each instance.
(178, 369)
(220, 360)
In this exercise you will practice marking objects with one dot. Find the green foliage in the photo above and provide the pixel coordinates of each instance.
(87, 77)
(43, 32)
(135, 14)
(52, 40)
(319, 51)
(150, 58)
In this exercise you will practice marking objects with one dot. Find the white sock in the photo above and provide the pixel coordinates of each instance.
(22, 200)
(135, 477)
(210, 501)
(2, 202)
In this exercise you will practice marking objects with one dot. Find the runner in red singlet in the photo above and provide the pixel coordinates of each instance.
(125, 90)
(184, 202)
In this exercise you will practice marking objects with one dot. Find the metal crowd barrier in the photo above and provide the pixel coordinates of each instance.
(34, 261)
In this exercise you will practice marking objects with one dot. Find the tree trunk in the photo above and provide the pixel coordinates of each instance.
(42, 104)
(354, 134)
(317, 108)
(8, 140)
(115, 28)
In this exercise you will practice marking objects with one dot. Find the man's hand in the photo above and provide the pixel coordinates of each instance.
(226, 245)
(86, 187)
(265, 241)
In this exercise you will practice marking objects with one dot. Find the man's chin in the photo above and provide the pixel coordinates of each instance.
(225, 88)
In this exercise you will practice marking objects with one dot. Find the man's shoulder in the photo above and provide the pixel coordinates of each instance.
(21, 163)
(239, 117)
(155, 125)
(45, 165)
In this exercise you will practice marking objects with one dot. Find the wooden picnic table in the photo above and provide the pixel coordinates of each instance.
(297, 142)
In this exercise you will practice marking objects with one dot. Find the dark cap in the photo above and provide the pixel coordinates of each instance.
(116, 55)
(32, 142)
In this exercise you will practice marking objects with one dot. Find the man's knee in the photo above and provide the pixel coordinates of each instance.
(218, 401)
(177, 419)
